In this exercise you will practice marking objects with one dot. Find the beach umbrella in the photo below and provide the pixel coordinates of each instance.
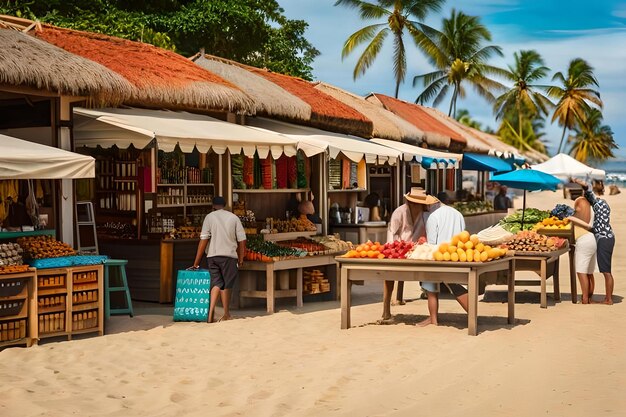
(527, 180)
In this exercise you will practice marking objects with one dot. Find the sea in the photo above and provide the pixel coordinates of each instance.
(615, 172)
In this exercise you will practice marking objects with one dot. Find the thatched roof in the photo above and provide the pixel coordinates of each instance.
(30, 62)
(269, 99)
(162, 78)
(386, 125)
(437, 134)
(326, 112)
(472, 142)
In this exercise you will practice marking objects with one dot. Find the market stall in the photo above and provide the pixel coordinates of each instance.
(156, 184)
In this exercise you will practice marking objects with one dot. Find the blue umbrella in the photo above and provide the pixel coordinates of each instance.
(527, 180)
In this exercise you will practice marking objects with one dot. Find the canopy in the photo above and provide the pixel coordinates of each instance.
(351, 147)
(564, 166)
(123, 127)
(478, 162)
(422, 155)
(528, 179)
(21, 159)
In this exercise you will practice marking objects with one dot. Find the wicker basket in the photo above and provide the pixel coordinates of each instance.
(10, 307)
(12, 287)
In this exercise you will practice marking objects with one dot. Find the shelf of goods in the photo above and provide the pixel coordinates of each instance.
(18, 313)
(194, 198)
(70, 301)
(117, 185)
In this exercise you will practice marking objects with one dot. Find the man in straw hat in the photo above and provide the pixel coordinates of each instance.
(407, 223)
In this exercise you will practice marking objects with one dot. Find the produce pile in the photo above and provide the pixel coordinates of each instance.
(467, 248)
(308, 245)
(10, 258)
(531, 241)
(185, 232)
(40, 247)
(300, 224)
(494, 235)
(333, 243)
(258, 249)
(473, 207)
(562, 211)
(553, 223)
(513, 222)
(248, 221)
(368, 250)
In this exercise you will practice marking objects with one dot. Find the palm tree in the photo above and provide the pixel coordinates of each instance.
(531, 136)
(459, 55)
(397, 15)
(574, 95)
(464, 117)
(592, 139)
(525, 98)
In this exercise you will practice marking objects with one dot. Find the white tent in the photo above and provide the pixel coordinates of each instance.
(21, 159)
(564, 166)
(123, 127)
(352, 147)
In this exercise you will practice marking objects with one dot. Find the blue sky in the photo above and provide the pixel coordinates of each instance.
(559, 30)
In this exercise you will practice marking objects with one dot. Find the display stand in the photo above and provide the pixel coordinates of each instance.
(270, 269)
(569, 235)
(18, 292)
(544, 264)
(70, 301)
(467, 273)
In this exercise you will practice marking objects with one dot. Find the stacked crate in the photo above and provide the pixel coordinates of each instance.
(314, 282)
(16, 309)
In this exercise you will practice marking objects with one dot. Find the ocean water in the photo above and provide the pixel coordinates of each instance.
(615, 177)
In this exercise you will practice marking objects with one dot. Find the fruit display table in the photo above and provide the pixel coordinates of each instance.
(569, 235)
(270, 293)
(467, 273)
(546, 265)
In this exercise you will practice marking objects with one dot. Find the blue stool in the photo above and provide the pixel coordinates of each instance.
(120, 266)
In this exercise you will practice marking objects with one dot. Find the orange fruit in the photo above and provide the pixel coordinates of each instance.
(370, 253)
(377, 243)
(470, 255)
(455, 241)
(374, 247)
(469, 244)
(381, 256)
(367, 247)
(359, 248)
(452, 249)
(480, 247)
(474, 239)
(462, 256)
(438, 256)
(363, 254)
(487, 248)
(464, 236)
(454, 257)
(484, 256)
(446, 256)
(443, 248)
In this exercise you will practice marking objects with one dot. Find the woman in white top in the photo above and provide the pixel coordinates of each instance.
(585, 254)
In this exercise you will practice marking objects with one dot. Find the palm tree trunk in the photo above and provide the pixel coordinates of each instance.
(453, 102)
(562, 137)
(397, 88)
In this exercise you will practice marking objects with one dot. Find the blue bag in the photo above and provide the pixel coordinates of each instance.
(192, 295)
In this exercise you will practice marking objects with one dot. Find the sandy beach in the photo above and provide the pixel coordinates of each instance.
(566, 360)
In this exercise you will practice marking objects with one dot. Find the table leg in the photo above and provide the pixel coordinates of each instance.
(337, 282)
(472, 314)
(270, 294)
(346, 287)
(556, 282)
(299, 287)
(511, 292)
(544, 296)
(572, 276)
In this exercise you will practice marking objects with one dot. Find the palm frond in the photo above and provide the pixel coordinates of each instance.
(360, 36)
(370, 53)
(399, 59)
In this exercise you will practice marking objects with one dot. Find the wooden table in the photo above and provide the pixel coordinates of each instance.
(569, 235)
(546, 265)
(270, 269)
(468, 273)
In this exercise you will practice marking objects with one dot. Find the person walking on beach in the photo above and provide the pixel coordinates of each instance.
(605, 239)
(442, 224)
(407, 223)
(502, 202)
(586, 247)
(223, 232)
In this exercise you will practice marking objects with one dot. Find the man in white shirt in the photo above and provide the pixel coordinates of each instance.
(442, 224)
(223, 232)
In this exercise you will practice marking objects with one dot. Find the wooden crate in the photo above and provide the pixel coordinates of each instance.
(18, 310)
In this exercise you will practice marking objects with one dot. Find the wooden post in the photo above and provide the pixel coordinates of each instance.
(511, 291)
(472, 313)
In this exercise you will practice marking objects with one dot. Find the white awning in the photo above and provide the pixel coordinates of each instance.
(123, 127)
(410, 152)
(352, 147)
(21, 159)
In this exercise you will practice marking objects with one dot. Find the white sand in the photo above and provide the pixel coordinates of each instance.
(567, 360)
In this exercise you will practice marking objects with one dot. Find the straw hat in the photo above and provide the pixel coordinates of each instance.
(419, 196)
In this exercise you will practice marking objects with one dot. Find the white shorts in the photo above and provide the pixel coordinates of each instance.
(585, 254)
